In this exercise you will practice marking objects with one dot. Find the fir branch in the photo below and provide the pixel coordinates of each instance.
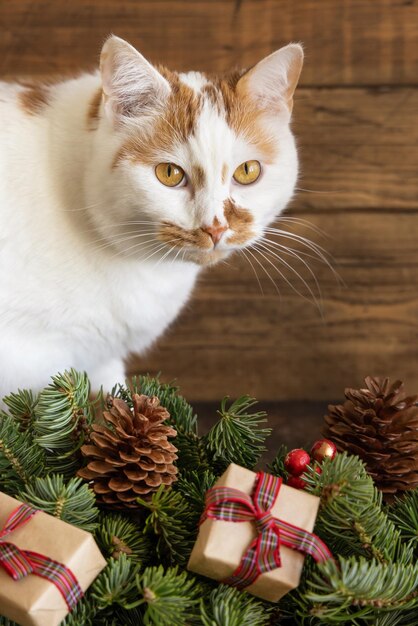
(397, 618)
(63, 416)
(116, 584)
(358, 588)
(191, 452)
(226, 605)
(172, 524)
(20, 458)
(117, 535)
(170, 598)
(72, 502)
(238, 436)
(116, 616)
(276, 467)
(193, 485)
(21, 406)
(404, 513)
(351, 518)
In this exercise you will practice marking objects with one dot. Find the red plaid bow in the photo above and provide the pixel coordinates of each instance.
(20, 563)
(263, 554)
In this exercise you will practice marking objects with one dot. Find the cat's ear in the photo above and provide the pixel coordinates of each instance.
(131, 85)
(273, 80)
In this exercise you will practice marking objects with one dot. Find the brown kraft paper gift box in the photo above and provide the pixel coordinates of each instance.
(34, 601)
(221, 545)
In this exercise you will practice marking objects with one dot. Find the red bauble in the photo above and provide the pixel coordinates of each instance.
(297, 461)
(296, 482)
(323, 449)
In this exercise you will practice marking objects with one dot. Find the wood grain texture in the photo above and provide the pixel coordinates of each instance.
(358, 147)
(347, 41)
(234, 340)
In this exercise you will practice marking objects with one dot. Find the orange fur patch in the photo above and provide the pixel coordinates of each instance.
(197, 237)
(240, 220)
(176, 125)
(243, 114)
(34, 98)
(198, 177)
(93, 111)
(224, 173)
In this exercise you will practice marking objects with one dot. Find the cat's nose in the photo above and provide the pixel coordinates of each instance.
(215, 231)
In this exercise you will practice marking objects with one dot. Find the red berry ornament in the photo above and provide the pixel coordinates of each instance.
(323, 449)
(297, 461)
(296, 482)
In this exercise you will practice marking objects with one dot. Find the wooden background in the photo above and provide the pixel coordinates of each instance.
(356, 120)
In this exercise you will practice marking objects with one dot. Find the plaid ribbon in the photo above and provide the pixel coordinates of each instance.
(20, 563)
(263, 554)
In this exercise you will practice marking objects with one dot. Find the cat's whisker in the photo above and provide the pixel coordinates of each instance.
(139, 247)
(118, 225)
(159, 249)
(83, 208)
(178, 252)
(302, 222)
(291, 285)
(242, 251)
(141, 244)
(303, 253)
(283, 276)
(171, 248)
(118, 240)
(303, 240)
(265, 243)
(318, 255)
(314, 190)
(265, 271)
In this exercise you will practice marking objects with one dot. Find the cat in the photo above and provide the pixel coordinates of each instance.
(116, 189)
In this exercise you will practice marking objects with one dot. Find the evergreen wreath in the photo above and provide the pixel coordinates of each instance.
(374, 579)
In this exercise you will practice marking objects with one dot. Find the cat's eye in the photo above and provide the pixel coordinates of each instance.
(247, 172)
(169, 174)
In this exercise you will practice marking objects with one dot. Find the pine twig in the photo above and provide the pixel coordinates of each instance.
(172, 524)
(20, 458)
(72, 502)
(226, 605)
(404, 513)
(238, 436)
(117, 535)
(63, 416)
(170, 598)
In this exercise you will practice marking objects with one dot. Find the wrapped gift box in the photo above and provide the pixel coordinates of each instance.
(220, 545)
(35, 601)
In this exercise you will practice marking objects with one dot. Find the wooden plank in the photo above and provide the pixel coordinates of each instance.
(347, 42)
(358, 148)
(234, 340)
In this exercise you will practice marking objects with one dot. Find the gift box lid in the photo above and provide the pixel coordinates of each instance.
(221, 545)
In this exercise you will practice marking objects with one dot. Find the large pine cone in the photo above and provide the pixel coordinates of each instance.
(131, 456)
(380, 425)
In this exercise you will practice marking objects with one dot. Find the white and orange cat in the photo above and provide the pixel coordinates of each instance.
(116, 188)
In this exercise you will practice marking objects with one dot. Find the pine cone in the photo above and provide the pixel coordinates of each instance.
(380, 425)
(131, 456)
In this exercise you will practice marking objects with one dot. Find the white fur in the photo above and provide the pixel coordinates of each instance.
(73, 290)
